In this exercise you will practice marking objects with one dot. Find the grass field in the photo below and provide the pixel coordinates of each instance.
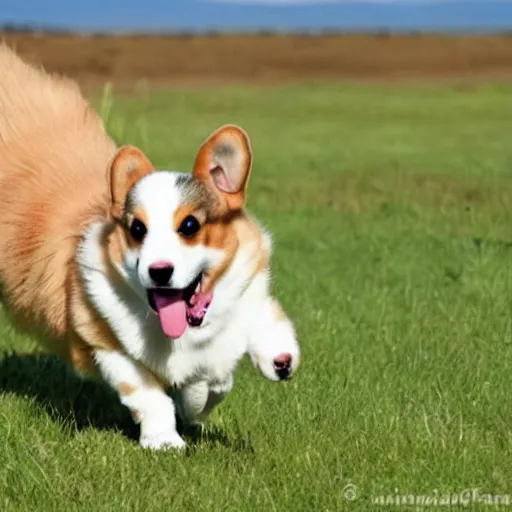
(391, 209)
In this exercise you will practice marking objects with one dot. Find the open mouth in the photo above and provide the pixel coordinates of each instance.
(179, 308)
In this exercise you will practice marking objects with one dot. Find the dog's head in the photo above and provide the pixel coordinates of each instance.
(176, 227)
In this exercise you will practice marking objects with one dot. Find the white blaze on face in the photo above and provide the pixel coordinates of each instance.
(159, 197)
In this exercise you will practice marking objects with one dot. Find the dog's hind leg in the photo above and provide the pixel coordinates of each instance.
(144, 396)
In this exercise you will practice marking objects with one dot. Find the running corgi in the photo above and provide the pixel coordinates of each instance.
(152, 280)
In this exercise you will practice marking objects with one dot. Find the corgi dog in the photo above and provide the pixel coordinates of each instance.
(158, 282)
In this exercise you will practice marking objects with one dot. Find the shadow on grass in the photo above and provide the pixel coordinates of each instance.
(68, 399)
(82, 403)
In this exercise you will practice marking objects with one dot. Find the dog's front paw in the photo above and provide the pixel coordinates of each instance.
(276, 351)
(162, 441)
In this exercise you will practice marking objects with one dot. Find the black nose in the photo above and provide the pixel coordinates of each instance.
(283, 365)
(161, 274)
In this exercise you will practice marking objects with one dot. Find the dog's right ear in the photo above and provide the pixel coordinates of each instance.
(128, 166)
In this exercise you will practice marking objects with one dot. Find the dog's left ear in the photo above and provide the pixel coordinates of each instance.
(128, 166)
(223, 164)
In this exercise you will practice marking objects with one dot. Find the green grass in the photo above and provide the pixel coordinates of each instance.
(391, 209)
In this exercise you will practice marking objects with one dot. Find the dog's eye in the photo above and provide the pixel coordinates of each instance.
(138, 230)
(189, 227)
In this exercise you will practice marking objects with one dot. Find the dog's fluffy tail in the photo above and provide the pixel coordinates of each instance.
(36, 106)
(29, 97)
(54, 157)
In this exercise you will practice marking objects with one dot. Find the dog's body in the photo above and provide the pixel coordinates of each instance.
(94, 243)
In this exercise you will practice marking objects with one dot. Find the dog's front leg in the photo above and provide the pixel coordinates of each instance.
(273, 345)
(196, 401)
(145, 398)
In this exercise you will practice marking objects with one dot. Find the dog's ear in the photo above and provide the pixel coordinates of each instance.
(223, 164)
(128, 166)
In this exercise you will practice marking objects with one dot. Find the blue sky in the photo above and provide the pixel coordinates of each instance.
(173, 15)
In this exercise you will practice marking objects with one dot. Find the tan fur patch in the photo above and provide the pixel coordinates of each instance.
(252, 233)
(220, 235)
(279, 314)
(249, 233)
(126, 389)
(230, 234)
(140, 214)
(136, 415)
(181, 213)
(115, 244)
(87, 323)
(81, 356)
(227, 234)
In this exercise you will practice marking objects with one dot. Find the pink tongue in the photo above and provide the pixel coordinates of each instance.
(173, 314)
